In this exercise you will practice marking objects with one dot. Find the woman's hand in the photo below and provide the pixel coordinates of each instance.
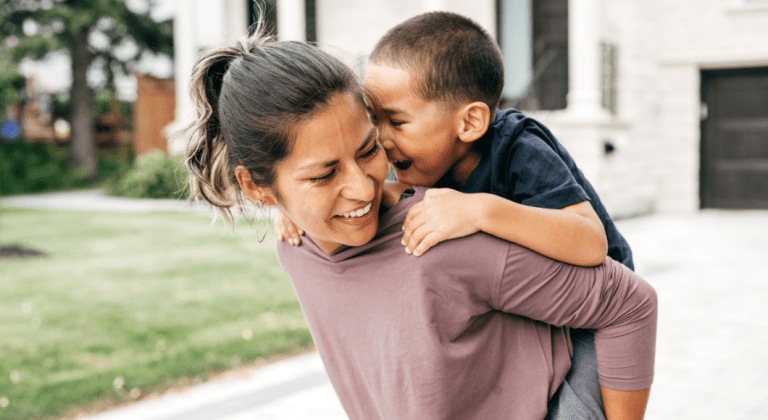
(443, 214)
(287, 230)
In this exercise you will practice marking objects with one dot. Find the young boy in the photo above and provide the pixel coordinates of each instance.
(432, 88)
(433, 83)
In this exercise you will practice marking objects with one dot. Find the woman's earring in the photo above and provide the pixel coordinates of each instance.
(260, 212)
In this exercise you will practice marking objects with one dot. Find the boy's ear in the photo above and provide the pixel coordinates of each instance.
(251, 190)
(474, 119)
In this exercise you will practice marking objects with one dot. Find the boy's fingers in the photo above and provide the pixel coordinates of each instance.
(410, 227)
(416, 238)
(429, 241)
(278, 225)
(413, 212)
(434, 192)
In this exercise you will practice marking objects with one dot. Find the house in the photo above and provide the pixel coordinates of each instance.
(663, 105)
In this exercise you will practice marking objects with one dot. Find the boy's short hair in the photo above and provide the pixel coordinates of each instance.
(452, 58)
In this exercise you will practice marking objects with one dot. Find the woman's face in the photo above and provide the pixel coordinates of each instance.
(331, 184)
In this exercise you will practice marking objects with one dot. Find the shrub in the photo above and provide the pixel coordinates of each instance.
(154, 175)
(36, 167)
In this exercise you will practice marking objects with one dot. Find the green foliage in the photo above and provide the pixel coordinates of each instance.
(100, 106)
(35, 167)
(11, 82)
(154, 175)
(27, 168)
(149, 298)
(59, 22)
(91, 32)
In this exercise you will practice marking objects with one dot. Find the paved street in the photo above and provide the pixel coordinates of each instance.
(709, 272)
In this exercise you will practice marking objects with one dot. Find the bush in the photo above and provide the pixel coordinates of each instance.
(36, 167)
(154, 175)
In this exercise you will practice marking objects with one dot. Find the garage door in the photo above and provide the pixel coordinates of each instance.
(734, 134)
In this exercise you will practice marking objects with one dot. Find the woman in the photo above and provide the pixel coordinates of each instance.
(475, 329)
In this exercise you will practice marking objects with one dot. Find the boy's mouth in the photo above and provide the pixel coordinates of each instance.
(402, 164)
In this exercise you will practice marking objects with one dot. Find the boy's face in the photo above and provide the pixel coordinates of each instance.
(419, 136)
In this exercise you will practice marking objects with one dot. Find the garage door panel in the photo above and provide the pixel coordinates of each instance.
(734, 166)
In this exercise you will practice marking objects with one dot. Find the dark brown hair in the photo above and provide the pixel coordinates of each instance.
(452, 58)
(251, 97)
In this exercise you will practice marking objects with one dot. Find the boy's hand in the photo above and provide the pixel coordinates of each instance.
(443, 214)
(287, 230)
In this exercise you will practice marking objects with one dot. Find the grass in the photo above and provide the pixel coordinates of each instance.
(127, 304)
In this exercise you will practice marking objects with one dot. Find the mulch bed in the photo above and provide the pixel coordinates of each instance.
(17, 251)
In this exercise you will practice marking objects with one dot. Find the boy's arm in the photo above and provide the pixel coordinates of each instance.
(573, 234)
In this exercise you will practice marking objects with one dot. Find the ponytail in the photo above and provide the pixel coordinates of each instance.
(207, 157)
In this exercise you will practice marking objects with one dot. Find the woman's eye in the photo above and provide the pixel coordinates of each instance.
(324, 177)
(372, 151)
(396, 123)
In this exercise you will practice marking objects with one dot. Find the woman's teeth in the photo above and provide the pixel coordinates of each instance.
(403, 164)
(359, 212)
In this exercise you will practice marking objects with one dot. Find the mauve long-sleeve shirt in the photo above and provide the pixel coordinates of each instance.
(476, 328)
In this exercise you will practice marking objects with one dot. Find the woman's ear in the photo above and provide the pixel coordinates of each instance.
(251, 190)
(474, 120)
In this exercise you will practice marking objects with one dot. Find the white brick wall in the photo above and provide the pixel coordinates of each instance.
(662, 48)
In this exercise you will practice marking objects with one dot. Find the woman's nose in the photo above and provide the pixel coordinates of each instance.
(358, 185)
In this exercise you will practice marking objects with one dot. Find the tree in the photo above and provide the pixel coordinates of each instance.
(97, 34)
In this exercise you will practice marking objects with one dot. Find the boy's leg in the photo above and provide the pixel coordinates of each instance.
(579, 395)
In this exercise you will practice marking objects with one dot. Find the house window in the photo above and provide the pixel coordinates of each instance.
(609, 76)
(533, 36)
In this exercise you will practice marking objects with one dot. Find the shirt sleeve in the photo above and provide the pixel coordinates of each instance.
(609, 298)
(539, 177)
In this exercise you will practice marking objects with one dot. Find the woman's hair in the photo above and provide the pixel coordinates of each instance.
(251, 97)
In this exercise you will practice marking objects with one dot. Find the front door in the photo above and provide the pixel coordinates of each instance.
(734, 139)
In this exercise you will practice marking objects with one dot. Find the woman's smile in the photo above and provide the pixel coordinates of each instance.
(362, 211)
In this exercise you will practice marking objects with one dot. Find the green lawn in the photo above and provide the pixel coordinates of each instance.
(127, 304)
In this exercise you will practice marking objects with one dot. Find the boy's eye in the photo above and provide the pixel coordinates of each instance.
(325, 177)
(372, 151)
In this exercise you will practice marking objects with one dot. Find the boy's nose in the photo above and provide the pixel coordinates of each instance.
(385, 138)
(387, 144)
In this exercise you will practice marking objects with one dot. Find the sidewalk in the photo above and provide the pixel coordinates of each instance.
(709, 270)
(97, 200)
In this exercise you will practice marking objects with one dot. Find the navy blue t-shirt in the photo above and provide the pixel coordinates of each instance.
(523, 162)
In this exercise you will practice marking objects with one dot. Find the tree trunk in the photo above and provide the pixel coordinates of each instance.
(82, 148)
